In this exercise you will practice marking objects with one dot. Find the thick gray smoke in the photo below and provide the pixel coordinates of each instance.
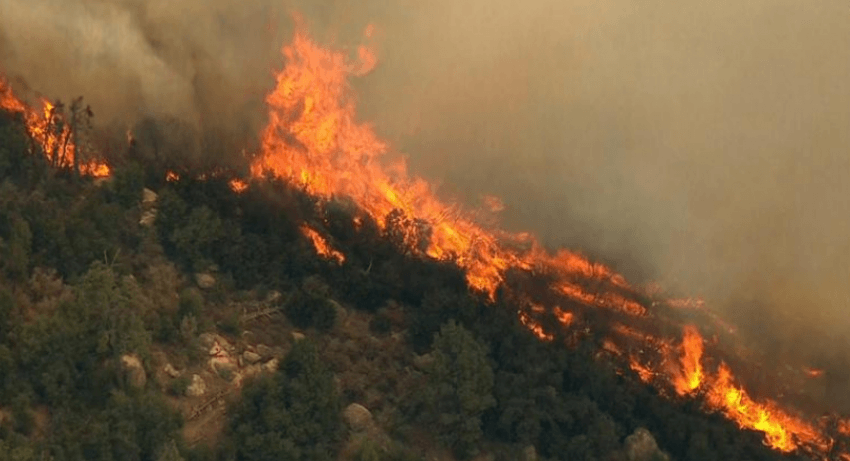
(701, 144)
(201, 66)
(705, 145)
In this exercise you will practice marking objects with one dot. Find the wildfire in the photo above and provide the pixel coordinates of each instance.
(782, 430)
(321, 245)
(313, 139)
(691, 372)
(53, 134)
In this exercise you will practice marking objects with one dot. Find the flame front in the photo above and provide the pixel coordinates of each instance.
(690, 377)
(42, 128)
(321, 245)
(314, 140)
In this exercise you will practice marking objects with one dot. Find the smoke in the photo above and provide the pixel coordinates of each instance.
(704, 145)
(700, 144)
(204, 66)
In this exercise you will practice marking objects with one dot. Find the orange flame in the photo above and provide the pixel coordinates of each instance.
(314, 140)
(42, 126)
(322, 246)
(782, 430)
(691, 374)
(237, 185)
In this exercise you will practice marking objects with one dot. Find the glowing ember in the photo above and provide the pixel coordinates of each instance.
(322, 247)
(237, 185)
(644, 373)
(52, 133)
(535, 327)
(813, 372)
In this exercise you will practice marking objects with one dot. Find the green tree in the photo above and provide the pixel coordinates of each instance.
(293, 415)
(15, 251)
(460, 387)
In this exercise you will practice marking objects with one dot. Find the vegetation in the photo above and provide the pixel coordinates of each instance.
(82, 284)
(293, 415)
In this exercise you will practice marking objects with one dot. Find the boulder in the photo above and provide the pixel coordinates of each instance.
(641, 446)
(197, 387)
(224, 368)
(170, 370)
(264, 351)
(271, 365)
(205, 280)
(225, 344)
(251, 357)
(206, 340)
(358, 417)
(423, 362)
(148, 196)
(273, 296)
(148, 218)
(134, 370)
(297, 336)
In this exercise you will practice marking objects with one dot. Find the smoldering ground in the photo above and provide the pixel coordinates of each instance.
(701, 144)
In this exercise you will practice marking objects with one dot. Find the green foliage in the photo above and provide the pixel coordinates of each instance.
(15, 246)
(309, 306)
(369, 451)
(201, 230)
(177, 387)
(460, 388)
(168, 452)
(126, 185)
(191, 303)
(231, 323)
(293, 415)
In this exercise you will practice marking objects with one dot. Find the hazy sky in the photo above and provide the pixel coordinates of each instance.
(702, 144)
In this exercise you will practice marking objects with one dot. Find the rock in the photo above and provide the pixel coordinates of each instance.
(170, 370)
(423, 362)
(135, 371)
(358, 417)
(297, 336)
(273, 296)
(225, 344)
(148, 197)
(271, 365)
(207, 340)
(197, 388)
(264, 351)
(641, 446)
(529, 453)
(148, 218)
(205, 280)
(251, 357)
(224, 368)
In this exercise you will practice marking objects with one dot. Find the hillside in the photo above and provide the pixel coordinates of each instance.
(145, 318)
